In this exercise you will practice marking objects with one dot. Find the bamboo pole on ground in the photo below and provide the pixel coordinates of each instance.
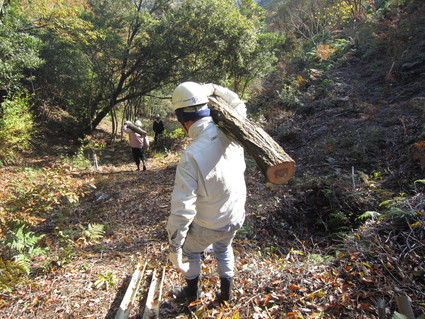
(161, 284)
(404, 306)
(150, 302)
(131, 292)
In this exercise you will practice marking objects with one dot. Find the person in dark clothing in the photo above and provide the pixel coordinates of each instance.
(158, 127)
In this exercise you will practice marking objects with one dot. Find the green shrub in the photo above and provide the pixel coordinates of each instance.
(16, 128)
(178, 134)
(170, 140)
(79, 160)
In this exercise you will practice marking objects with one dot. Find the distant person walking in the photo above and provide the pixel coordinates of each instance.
(138, 144)
(158, 127)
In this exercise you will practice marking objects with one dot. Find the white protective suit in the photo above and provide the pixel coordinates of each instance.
(209, 187)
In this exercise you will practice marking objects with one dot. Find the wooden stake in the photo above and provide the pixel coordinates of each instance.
(403, 304)
(381, 309)
(96, 163)
(150, 305)
(128, 300)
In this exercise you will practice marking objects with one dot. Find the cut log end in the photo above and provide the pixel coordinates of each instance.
(277, 166)
(281, 173)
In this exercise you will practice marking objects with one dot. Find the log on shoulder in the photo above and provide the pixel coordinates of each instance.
(136, 129)
(277, 166)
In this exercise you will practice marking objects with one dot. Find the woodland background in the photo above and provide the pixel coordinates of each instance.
(339, 84)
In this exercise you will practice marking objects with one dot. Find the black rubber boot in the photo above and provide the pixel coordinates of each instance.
(187, 293)
(225, 289)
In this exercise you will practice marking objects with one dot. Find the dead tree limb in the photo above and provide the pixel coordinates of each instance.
(277, 166)
(136, 129)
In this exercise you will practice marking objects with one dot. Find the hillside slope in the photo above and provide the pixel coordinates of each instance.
(357, 147)
(289, 264)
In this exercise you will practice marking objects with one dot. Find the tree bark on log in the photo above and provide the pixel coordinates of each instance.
(277, 166)
(136, 129)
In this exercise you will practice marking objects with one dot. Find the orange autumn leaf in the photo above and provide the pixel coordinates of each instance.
(266, 300)
(365, 306)
(296, 288)
(194, 303)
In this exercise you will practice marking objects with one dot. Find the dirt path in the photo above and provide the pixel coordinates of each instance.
(91, 281)
(133, 206)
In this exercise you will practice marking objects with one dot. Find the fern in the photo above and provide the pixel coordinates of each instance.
(24, 242)
(23, 261)
(23, 239)
(369, 214)
(36, 251)
(400, 214)
(11, 273)
(92, 233)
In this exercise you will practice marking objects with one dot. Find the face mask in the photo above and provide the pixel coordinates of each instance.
(192, 113)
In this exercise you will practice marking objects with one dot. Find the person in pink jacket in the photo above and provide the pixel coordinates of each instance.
(138, 144)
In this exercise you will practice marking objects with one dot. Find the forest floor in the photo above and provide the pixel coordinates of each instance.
(291, 260)
(306, 250)
(287, 266)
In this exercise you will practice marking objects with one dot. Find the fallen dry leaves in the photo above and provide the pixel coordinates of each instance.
(282, 270)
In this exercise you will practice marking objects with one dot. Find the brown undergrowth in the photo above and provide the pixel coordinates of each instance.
(286, 266)
(345, 233)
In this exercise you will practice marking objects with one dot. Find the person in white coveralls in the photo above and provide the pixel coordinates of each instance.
(208, 199)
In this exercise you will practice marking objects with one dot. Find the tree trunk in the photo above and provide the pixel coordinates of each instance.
(277, 166)
(136, 129)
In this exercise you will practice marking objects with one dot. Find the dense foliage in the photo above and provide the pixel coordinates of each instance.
(19, 53)
(92, 58)
(99, 55)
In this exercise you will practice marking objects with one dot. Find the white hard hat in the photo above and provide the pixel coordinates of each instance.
(188, 94)
(157, 116)
(138, 123)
